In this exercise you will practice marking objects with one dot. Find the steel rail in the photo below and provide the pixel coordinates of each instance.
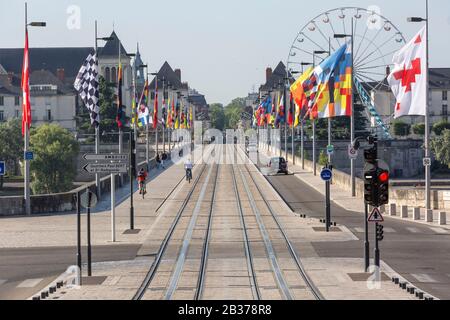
(250, 265)
(154, 267)
(205, 254)
(314, 290)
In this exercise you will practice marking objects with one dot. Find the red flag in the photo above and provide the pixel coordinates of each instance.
(26, 107)
(155, 110)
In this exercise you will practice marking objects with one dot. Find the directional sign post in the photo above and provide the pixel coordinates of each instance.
(327, 175)
(106, 168)
(2, 168)
(106, 157)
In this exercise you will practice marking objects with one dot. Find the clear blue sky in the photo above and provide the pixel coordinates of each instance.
(222, 47)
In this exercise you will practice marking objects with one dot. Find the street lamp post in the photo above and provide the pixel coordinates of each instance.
(352, 118)
(427, 109)
(97, 128)
(27, 190)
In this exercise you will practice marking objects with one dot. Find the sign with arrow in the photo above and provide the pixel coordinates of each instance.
(106, 157)
(109, 168)
(376, 216)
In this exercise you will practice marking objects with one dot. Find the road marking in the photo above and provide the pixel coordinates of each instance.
(2, 282)
(30, 283)
(389, 230)
(439, 230)
(425, 278)
(413, 230)
(360, 230)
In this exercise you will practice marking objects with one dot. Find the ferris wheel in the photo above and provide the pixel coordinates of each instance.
(375, 40)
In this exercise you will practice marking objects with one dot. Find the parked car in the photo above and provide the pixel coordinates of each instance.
(279, 165)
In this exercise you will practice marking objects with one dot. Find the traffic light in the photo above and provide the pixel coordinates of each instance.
(371, 187)
(371, 155)
(383, 187)
(380, 232)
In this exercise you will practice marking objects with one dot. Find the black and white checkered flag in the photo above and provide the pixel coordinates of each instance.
(87, 85)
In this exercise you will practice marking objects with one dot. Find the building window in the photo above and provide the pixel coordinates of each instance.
(113, 75)
(2, 115)
(16, 113)
(2, 101)
(49, 115)
(107, 75)
(17, 101)
(445, 110)
(444, 95)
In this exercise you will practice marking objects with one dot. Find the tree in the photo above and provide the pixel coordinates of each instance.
(402, 129)
(217, 114)
(54, 166)
(419, 129)
(233, 113)
(11, 146)
(441, 147)
(439, 127)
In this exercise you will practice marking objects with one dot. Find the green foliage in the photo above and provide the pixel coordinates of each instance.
(323, 158)
(217, 114)
(53, 168)
(441, 147)
(11, 146)
(419, 129)
(439, 127)
(233, 113)
(401, 129)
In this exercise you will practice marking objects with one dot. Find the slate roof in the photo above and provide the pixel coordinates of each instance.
(166, 72)
(198, 100)
(111, 48)
(278, 75)
(6, 88)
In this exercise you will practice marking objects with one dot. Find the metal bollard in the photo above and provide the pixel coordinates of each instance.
(416, 214)
(393, 209)
(429, 215)
(405, 212)
(442, 218)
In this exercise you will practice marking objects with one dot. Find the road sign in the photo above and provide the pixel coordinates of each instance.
(352, 152)
(106, 157)
(330, 150)
(376, 216)
(2, 168)
(84, 200)
(29, 155)
(108, 168)
(426, 162)
(326, 174)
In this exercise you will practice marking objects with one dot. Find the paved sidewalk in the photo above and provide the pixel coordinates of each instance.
(343, 199)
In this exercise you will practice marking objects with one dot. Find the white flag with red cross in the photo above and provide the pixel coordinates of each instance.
(408, 80)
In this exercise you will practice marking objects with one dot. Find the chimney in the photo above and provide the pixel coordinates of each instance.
(61, 74)
(268, 74)
(178, 73)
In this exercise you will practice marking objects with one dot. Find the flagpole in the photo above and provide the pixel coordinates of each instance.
(314, 130)
(120, 128)
(352, 120)
(164, 122)
(97, 127)
(27, 191)
(329, 115)
(427, 118)
(302, 144)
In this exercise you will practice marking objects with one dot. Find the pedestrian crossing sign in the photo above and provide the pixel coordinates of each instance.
(376, 216)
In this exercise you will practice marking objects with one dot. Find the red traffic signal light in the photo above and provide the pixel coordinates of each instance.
(383, 177)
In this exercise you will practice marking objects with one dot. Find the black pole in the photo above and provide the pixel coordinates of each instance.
(89, 248)
(366, 243)
(328, 205)
(377, 247)
(79, 259)
(131, 182)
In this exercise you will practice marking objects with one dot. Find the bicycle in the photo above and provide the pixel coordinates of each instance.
(142, 189)
(189, 175)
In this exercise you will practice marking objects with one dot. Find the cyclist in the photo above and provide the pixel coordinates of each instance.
(188, 167)
(142, 177)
